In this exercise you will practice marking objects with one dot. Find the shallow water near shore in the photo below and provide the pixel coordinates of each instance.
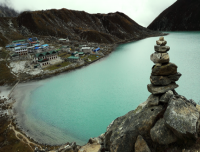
(81, 104)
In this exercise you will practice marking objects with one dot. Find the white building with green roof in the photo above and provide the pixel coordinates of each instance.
(73, 58)
(44, 57)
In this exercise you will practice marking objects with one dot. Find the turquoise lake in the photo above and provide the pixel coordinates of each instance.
(81, 104)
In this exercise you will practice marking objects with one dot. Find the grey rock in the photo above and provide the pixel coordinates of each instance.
(162, 43)
(161, 134)
(123, 132)
(175, 77)
(161, 49)
(166, 69)
(95, 140)
(161, 38)
(164, 80)
(160, 57)
(153, 100)
(192, 102)
(166, 97)
(161, 89)
(158, 64)
(160, 80)
(182, 118)
(141, 145)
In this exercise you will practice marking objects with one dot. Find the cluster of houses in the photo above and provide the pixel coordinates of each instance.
(41, 55)
(26, 46)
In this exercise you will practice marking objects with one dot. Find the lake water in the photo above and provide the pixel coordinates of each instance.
(81, 104)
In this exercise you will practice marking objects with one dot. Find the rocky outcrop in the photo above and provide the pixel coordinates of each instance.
(182, 118)
(166, 97)
(183, 15)
(153, 100)
(161, 134)
(141, 145)
(165, 122)
(123, 132)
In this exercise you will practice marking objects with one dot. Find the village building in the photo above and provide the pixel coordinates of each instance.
(65, 48)
(33, 39)
(96, 50)
(43, 58)
(81, 53)
(34, 43)
(10, 46)
(30, 49)
(19, 41)
(73, 58)
(44, 46)
(63, 40)
(21, 50)
(87, 50)
(75, 53)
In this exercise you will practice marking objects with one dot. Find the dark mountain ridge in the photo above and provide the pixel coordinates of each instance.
(183, 15)
(6, 11)
(76, 25)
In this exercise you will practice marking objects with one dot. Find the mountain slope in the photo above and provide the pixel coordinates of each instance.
(76, 25)
(6, 11)
(183, 15)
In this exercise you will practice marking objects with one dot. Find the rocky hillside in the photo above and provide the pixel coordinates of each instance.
(6, 11)
(76, 25)
(183, 15)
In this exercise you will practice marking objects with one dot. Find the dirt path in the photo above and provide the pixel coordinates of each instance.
(23, 138)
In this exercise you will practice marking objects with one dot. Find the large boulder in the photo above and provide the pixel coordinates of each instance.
(160, 57)
(182, 118)
(161, 49)
(161, 89)
(123, 132)
(164, 80)
(141, 145)
(161, 134)
(153, 100)
(166, 69)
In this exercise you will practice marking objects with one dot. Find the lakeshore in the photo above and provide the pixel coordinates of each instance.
(139, 87)
(42, 77)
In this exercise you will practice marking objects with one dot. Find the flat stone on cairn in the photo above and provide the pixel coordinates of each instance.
(164, 73)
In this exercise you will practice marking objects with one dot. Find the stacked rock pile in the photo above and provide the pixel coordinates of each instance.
(164, 73)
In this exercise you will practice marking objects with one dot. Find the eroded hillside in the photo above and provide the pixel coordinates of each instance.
(183, 15)
(76, 25)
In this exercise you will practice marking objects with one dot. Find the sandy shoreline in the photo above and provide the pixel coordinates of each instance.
(10, 115)
(11, 94)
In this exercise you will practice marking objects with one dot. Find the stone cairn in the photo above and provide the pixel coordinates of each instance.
(164, 73)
